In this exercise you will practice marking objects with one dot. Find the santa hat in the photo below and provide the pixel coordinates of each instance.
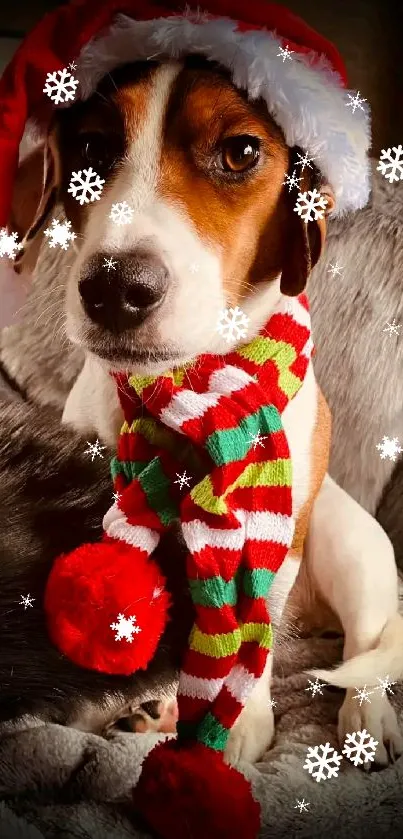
(305, 92)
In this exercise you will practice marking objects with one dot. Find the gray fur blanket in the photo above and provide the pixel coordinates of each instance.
(58, 781)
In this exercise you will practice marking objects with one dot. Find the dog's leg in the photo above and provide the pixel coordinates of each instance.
(351, 564)
(253, 731)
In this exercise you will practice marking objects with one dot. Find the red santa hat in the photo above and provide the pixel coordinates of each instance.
(305, 93)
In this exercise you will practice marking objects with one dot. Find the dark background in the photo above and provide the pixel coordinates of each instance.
(368, 34)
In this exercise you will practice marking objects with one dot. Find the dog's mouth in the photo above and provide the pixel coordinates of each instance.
(124, 357)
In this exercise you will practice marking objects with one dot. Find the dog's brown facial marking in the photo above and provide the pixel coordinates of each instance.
(212, 225)
(223, 160)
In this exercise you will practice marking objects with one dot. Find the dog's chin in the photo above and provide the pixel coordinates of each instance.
(152, 361)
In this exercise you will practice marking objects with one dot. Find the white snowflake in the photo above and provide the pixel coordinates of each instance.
(194, 267)
(60, 234)
(315, 203)
(363, 694)
(257, 439)
(304, 160)
(315, 687)
(86, 183)
(355, 102)
(232, 323)
(125, 628)
(322, 762)
(183, 480)
(157, 592)
(335, 269)
(285, 53)
(72, 65)
(109, 263)
(272, 703)
(301, 805)
(60, 86)
(393, 163)
(116, 497)
(95, 449)
(392, 328)
(360, 747)
(26, 600)
(121, 213)
(389, 448)
(291, 180)
(9, 244)
(385, 686)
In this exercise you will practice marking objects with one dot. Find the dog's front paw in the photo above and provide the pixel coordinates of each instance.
(251, 735)
(379, 718)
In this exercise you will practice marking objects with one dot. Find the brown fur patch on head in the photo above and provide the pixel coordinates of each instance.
(233, 215)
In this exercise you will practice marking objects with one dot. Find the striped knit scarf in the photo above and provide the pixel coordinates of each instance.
(221, 418)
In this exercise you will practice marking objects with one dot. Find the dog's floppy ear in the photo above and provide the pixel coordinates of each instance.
(304, 240)
(35, 195)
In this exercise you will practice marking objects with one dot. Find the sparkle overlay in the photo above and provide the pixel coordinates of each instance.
(360, 747)
(60, 234)
(292, 181)
(392, 328)
(385, 686)
(257, 439)
(304, 160)
(233, 323)
(389, 448)
(125, 628)
(301, 805)
(363, 695)
(335, 269)
(183, 480)
(86, 186)
(109, 263)
(60, 86)
(355, 102)
(95, 449)
(285, 53)
(27, 600)
(391, 164)
(272, 703)
(323, 762)
(315, 687)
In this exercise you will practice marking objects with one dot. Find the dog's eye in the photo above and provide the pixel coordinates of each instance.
(238, 154)
(99, 150)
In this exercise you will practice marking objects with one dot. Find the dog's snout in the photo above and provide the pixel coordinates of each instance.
(119, 291)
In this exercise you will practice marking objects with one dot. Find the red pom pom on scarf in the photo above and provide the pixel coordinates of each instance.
(102, 584)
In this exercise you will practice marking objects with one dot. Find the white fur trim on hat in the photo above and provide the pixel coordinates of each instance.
(303, 95)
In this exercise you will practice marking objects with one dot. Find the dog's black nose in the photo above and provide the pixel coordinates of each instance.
(119, 291)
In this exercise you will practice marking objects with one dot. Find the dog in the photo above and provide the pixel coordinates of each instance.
(203, 167)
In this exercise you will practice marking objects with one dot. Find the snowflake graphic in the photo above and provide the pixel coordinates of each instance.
(109, 263)
(385, 686)
(194, 267)
(232, 323)
(315, 687)
(9, 244)
(285, 53)
(157, 592)
(121, 213)
(183, 480)
(95, 449)
(363, 694)
(389, 448)
(26, 600)
(392, 328)
(301, 805)
(304, 160)
(86, 183)
(291, 180)
(322, 762)
(362, 744)
(272, 703)
(116, 497)
(355, 102)
(72, 65)
(125, 628)
(60, 234)
(335, 269)
(315, 204)
(257, 439)
(60, 86)
(393, 163)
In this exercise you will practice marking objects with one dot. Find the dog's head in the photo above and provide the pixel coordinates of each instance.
(211, 223)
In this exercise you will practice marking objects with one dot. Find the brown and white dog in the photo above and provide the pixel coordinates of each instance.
(213, 226)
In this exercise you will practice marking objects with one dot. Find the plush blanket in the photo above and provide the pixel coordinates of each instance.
(60, 782)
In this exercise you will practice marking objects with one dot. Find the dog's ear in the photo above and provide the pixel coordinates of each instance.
(304, 240)
(35, 196)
